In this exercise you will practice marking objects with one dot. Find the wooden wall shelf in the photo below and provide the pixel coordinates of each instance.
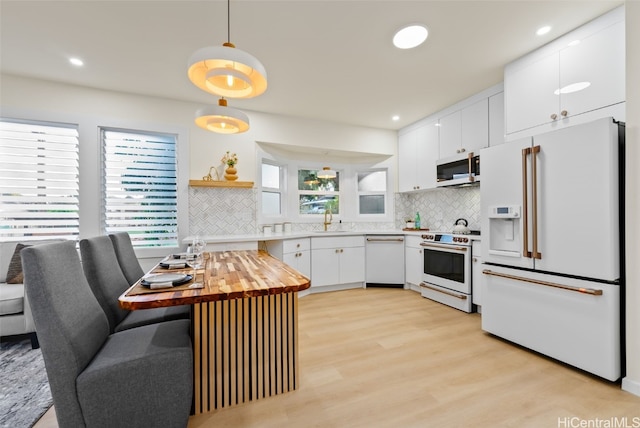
(212, 183)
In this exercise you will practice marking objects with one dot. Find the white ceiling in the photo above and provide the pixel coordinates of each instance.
(329, 60)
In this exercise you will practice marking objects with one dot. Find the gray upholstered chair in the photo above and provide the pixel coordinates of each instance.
(142, 377)
(126, 257)
(107, 282)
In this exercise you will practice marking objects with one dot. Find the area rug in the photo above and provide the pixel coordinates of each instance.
(24, 388)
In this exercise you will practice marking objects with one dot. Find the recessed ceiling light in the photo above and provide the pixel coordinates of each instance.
(543, 30)
(395, 118)
(76, 61)
(410, 36)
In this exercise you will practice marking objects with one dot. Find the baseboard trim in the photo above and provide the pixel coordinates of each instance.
(630, 385)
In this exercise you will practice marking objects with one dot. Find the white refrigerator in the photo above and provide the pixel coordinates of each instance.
(552, 240)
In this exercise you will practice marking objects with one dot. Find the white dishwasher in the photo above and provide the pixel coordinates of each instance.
(385, 260)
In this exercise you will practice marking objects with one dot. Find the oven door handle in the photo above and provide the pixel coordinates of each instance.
(444, 246)
(448, 293)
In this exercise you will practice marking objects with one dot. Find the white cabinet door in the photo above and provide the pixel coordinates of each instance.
(417, 154)
(304, 263)
(325, 267)
(529, 93)
(477, 279)
(450, 134)
(496, 119)
(474, 126)
(352, 265)
(465, 130)
(407, 178)
(598, 60)
(413, 265)
(300, 261)
(427, 153)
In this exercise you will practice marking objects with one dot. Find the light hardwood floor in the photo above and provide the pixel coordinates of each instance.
(390, 358)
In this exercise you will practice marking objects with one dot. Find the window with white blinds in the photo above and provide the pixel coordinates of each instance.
(38, 181)
(140, 186)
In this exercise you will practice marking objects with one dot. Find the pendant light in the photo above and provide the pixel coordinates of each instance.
(227, 71)
(310, 179)
(222, 119)
(327, 173)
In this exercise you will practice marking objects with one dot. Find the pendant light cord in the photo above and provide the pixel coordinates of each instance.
(228, 21)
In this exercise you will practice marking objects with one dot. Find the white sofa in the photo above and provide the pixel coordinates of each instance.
(15, 312)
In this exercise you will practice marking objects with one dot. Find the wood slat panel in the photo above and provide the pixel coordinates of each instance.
(245, 350)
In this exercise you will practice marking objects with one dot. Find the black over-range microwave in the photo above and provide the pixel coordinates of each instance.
(459, 170)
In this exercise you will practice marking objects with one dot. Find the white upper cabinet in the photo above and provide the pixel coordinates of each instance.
(496, 119)
(465, 130)
(417, 155)
(581, 72)
(598, 60)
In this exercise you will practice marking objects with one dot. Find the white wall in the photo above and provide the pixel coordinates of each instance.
(631, 382)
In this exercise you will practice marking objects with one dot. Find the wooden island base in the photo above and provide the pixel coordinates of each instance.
(244, 350)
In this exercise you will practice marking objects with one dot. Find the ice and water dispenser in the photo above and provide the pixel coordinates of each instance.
(504, 230)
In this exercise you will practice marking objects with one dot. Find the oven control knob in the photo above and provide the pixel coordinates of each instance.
(465, 239)
(425, 236)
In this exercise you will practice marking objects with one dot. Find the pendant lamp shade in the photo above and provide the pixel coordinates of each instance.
(227, 71)
(327, 173)
(222, 119)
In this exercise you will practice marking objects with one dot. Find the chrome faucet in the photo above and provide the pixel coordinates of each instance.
(327, 223)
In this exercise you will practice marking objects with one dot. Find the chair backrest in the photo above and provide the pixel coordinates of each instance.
(126, 257)
(104, 275)
(71, 325)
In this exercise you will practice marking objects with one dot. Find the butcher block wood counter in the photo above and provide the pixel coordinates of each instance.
(244, 326)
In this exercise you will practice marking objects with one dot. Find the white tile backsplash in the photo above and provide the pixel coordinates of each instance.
(440, 208)
(231, 211)
(222, 211)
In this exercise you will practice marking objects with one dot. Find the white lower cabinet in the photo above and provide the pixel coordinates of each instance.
(337, 261)
(413, 257)
(476, 272)
(294, 252)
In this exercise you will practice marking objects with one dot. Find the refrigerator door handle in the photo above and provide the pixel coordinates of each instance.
(534, 203)
(592, 291)
(525, 205)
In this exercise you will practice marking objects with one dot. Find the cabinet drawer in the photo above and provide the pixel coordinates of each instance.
(412, 241)
(293, 245)
(337, 242)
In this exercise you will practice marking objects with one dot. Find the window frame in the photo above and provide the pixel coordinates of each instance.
(63, 186)
(349, 211)
(281, 190)
(144, 137)
(384, 193)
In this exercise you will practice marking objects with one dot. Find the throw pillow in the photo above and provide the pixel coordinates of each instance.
(14, 274)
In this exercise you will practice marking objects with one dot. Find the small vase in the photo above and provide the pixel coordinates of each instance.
(230, 174)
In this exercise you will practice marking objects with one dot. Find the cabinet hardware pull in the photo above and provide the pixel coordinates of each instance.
(385, 240)
(462, 150)
(449, 247)
(448, 293)
(554, 116)
(525, 205)
(564, 113)
(534, 207)
(592, 291)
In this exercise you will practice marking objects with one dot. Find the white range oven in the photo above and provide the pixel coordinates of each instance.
(446, 276)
